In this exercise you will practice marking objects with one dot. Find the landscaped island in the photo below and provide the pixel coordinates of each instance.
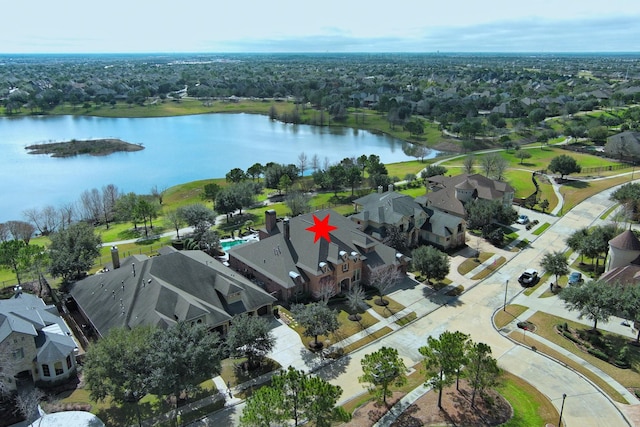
(94, 147)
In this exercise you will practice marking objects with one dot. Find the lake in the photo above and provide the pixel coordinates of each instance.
(177, 150)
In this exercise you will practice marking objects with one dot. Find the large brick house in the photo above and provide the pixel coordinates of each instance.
(288, 263)
(161, 290)
(35, 342)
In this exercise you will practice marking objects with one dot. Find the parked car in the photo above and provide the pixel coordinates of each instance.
(529, 277)
(575, 278)
(523, 219)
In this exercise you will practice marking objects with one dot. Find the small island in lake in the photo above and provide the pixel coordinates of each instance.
(93, 147)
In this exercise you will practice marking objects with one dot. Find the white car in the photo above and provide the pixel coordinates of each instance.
(523, 219)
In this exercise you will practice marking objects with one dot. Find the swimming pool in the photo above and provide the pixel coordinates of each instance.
(231, 243)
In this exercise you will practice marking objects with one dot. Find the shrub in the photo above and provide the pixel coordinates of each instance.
(598, 353)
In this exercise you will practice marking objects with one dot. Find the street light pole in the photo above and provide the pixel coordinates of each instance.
(564, 396)
(506, 287)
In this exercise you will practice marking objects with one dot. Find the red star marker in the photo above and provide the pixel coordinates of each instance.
(321, 228)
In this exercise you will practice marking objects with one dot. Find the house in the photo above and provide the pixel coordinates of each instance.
(416, 222)
(623, 145)
(623, 264)
(289, 263)
(35, 342)
(449, 194)
(161, 290)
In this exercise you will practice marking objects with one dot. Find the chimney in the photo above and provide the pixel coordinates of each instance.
(285, 228)
(390, 187)
(380, 188)
(269, 220)
(133, 266)
(115, 257)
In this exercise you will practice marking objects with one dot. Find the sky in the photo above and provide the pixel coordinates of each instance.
(131, 26)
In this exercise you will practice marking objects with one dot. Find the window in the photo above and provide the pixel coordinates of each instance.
(18, 353)
(69, 362)
(356, 275)
(345, 266)
(58, 367)
(45, 371)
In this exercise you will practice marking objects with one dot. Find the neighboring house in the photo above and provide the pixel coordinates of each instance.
(623, 265)
(449, 194)
(623, 145)
(417, 223)
(288, 262)
(175, 286)
(35, 342)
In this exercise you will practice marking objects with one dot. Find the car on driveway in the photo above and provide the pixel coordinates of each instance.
(523, 219)
(529, 277)
(575, 278)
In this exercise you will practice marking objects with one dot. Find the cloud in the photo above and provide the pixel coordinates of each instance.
(607, 34)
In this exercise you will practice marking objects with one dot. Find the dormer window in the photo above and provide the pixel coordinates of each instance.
(345, 266)
(323, 266)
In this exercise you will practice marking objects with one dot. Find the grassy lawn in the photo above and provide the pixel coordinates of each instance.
(232, 373)
(401, 169)
(366, 340)
(530, 407)
(347, 327)
(629, 378)
(471, 263)
(538, 231)
(490, 268)
(385, 311)
(504, 317)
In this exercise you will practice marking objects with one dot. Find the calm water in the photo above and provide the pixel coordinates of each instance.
(177, 150)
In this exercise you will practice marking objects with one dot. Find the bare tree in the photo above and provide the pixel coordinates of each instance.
(20, 230)
(67, 213)
(176, 220)
(34, 216)
(302, 163)
(158, 193)
(327, 289)
(500, 166)
(110, 196)
(355, 301)
(383, 278)
(27, 401)
(315, 163)
(469, 162)
(91, 201)
(4, 232)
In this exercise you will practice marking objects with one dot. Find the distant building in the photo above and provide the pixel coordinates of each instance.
(623, 145)
(175, 286)
(35, 342)
(288, 263)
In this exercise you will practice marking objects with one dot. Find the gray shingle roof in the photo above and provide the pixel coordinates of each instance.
(178, 285)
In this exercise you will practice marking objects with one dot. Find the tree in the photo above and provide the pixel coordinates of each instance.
(294, 395)
(630, 305)
(430, 262)
(175, 219)
(382, 369)
(198, 216)
(20, 230)
(383, 278)
(34, 260)
(316, 319)
(251, 337)
(264, 408)
(210, 192)
(181, 357)
(596, 300)
(577, 241)
(468, 163)
(146, 209)
(523, 154)
(302, 163)
(628, 195)
(255, 170)
(564, 165)
(442, 360)
(481, 368)
(116, 366)
(433, 170)
(336, 178)
(298, 202)
(481, 213)
(355, 301)
(352, 177)
(235, 175)
(73, 251)
(158, 193)
(10, 256)
(544, 205)
(555, 263)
